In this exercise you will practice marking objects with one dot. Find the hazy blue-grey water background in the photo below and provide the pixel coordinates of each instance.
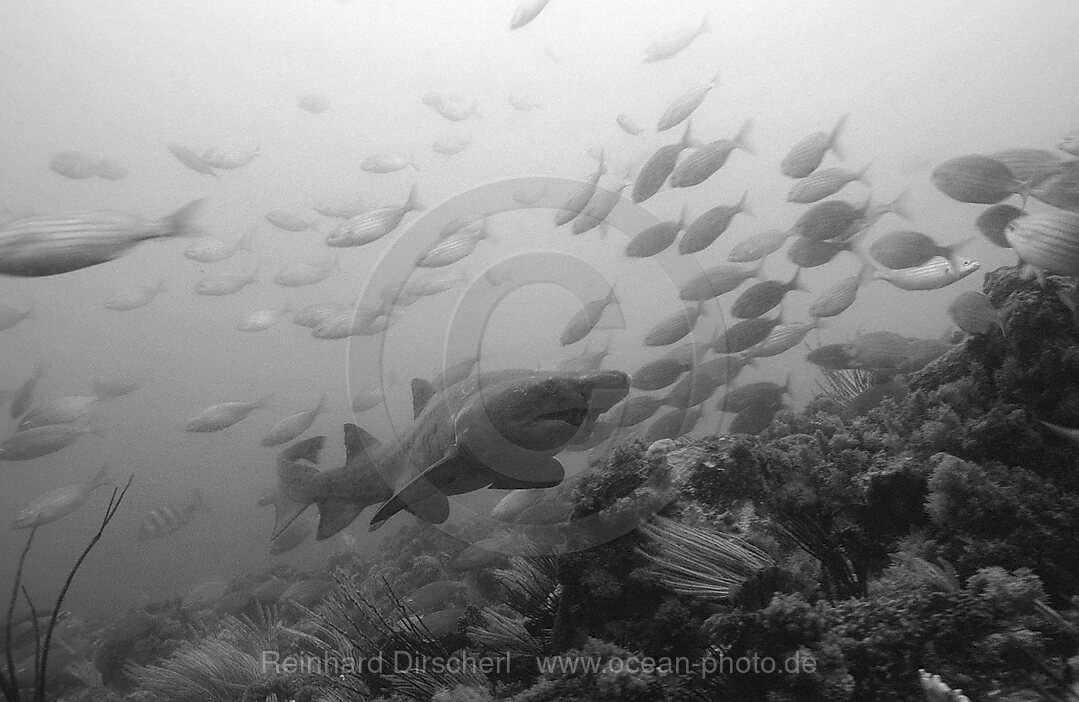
(922, 81)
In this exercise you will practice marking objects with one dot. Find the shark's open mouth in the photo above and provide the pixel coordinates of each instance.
(572, 415)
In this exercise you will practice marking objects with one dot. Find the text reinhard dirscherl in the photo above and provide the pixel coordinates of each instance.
(402, 662)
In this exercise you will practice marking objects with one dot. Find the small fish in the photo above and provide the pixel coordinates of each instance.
(806, 156)
(880, 350)
(214, 250)
(64, 410)
(716, 281)
(306, 593)
(658, 374)
(758, 246)
(134, 297)
(809, 253)
(451, 146)
(220, 284)
(340, 209)
(675, 327)
(387, 162)
(831, 219)
(598, 209)
(227, 158)
(673, 424)
(576, 202)
(110, 169)
(168, 519)
(744, 334)
(629, 125)
(426, 286)
(904, 248)
(10, 316)
(305, 273)
(224, 415)
(191, 159)
(763, 296)
(972, 313)
(761, 393)
(454, 248)
(293, 426)
(976, 179)
(587, 360)
(1069, 143)
(634, 410)
(58, 503)
(458, 110)
(41, 441)
(51, 245)
(684, 105)
(704, 161)
(289, 221)
(704, 379)
(824, 183)
(440, 594)
(1049, 242)
(838, 298)
(261, 320)
(1061, 190)
(753, 419)
(705, 229)
(582, 323)
(314, 103)
(348, 322)
(783, 337)
(76, 165)
(832, 357)
(313, 315)
(658, 167)
(118, 385)
(373, 225)
(526, 11)
(522, 103)
(1033, 165)
(937, 273)
(994, 220)
(656, 238)
(674, 44)
(24, 396)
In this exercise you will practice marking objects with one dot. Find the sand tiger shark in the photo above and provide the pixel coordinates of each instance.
(496, 430)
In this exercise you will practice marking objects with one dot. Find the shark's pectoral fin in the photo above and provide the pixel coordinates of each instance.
(422, 392)
(357, 442)
(335, 515)
(544, 473)
(419, 497)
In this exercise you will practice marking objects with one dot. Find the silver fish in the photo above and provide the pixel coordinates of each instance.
(831, 219)
(134, 297)
(458, 110)
(744, 334)
(228, 158)
(783, 337)
(758, 246)
(51, 245)
(1060, 190)
(705, 160)
(454, 248)
(705, 229)
(659, 166)
(526, 11)
(168, 519)
(340, 209)
(634, 410)
(824, 183)
(587, 360)
(656, 238)
(289, 221)
(716, 281)
(522, 103)
(1069, 143)
(972, 313)
(224, 415)
(387, 162)
(674, 44)
(599, 207)
(1049, 242)
(191, 159)
(1034, 165)
(314, 103)
(880, 350)
(994, 220)
(904, 248)
(313, 315)
(838, 298)
(21, 399)
(675, 327)
(451, 146)
(293, 426)
(760, 393)
(426, 286)
(576, 202)
(118, 385)
(110, 169)
(658, 374)
(753, 419)
(763, 296)
(64, 410)
(309, 273)
(976, 179)
(806, 156)
(261, 320)
(214, 250)
(41, 441)
(684, 105)
(76, 165)
(56, 504)
(673, 424)
(220, 284)
(10, 316)
(629, 125)
(809, 253)
(939, 272)
(582, 323)
(372, 226)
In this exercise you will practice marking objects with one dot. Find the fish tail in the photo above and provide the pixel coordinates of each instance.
(704, 26)
(298, 482)
(860, 175)
(741, 204)
(101, 477)
(413, 203)
(263, 402)
(900, 206)
(833, 138)
(741, 139)
(180, 222)
(247, 239)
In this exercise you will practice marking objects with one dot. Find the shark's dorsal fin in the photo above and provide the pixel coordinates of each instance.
(422, 392)
(357, 442)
